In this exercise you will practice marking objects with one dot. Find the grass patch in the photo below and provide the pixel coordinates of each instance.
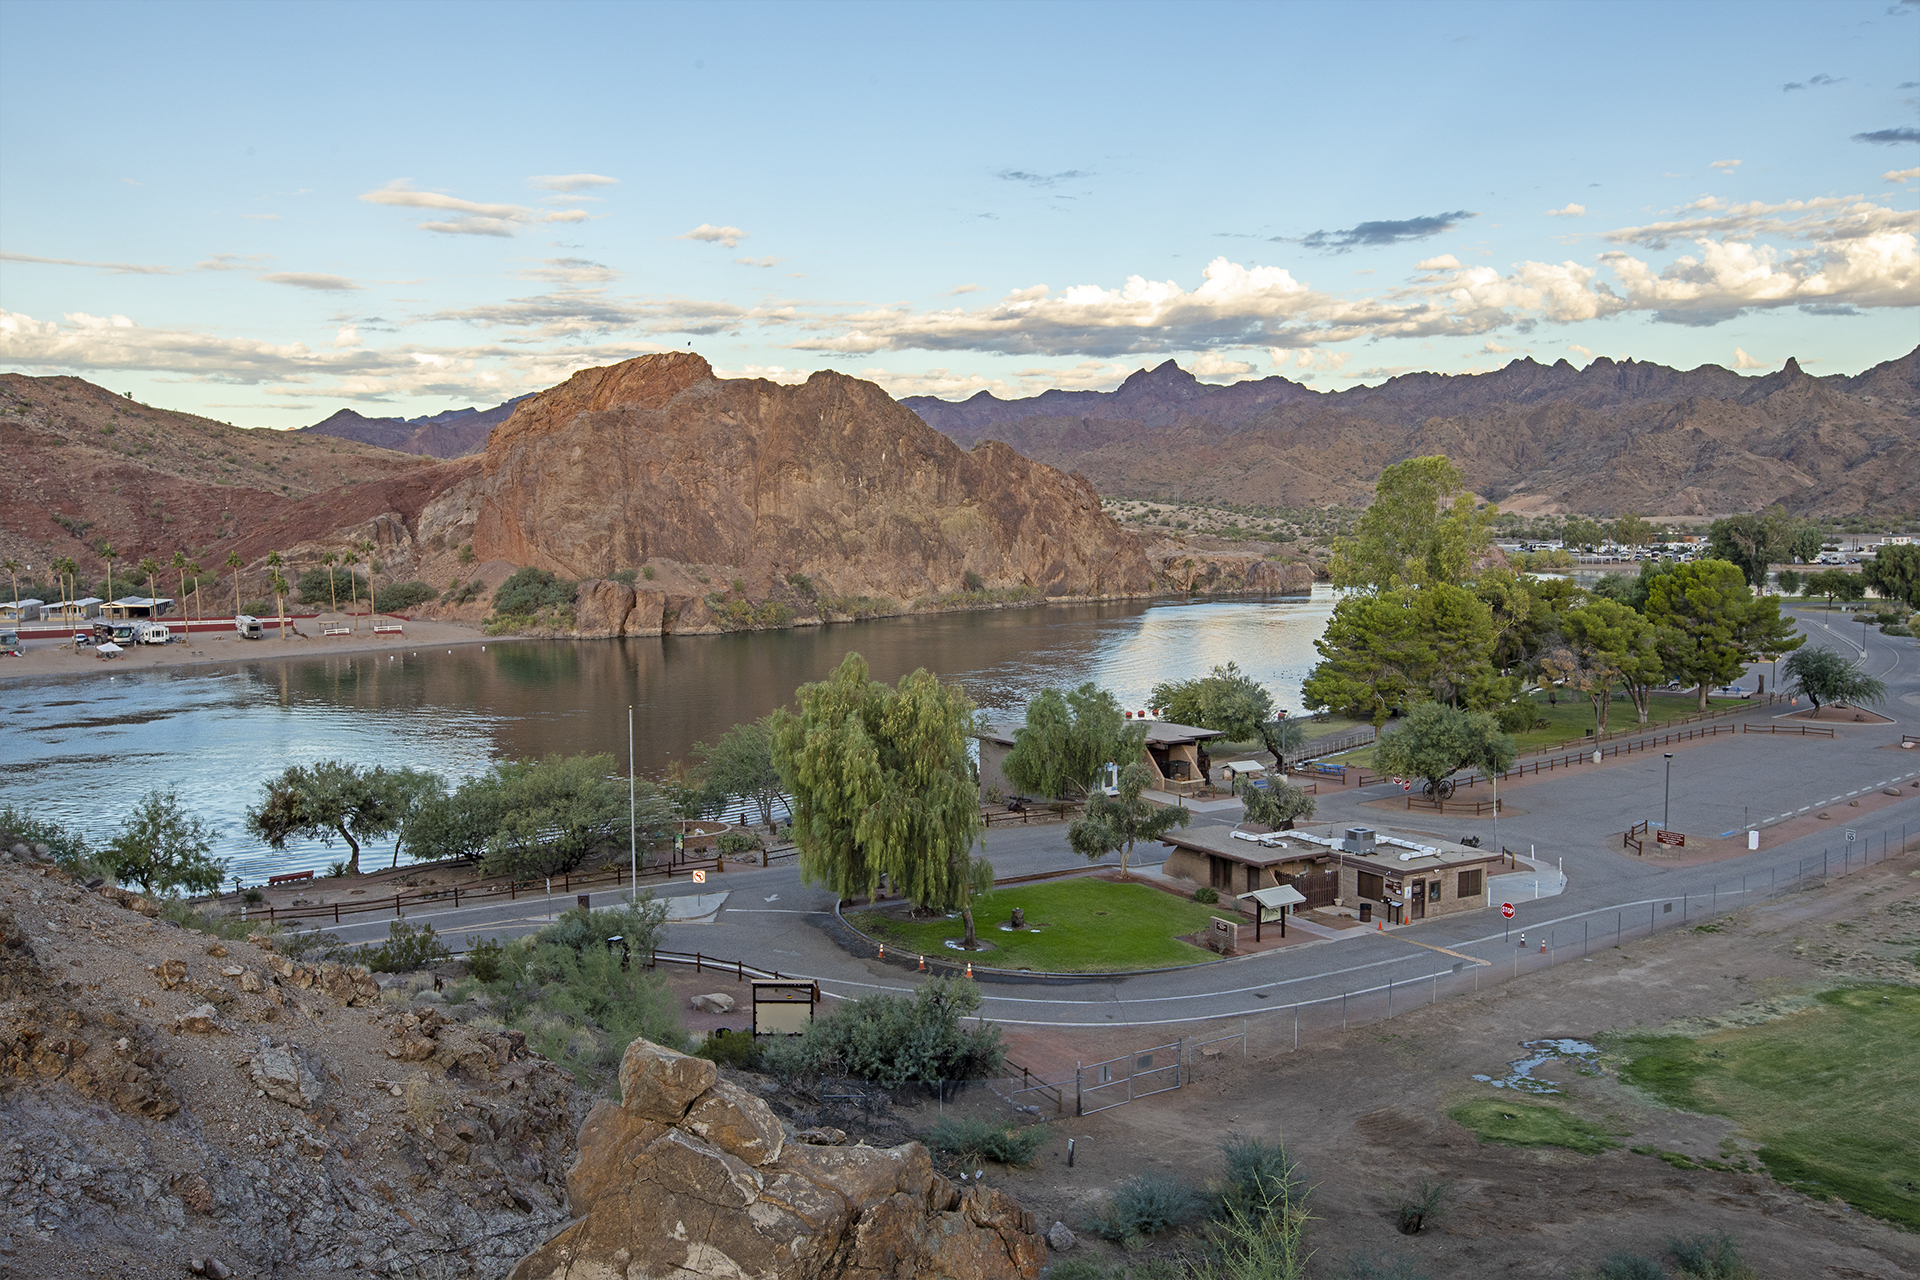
(1073, 926)
(1524, 1124)
(1573, 716)
(976, 1140)
(1832, 1093)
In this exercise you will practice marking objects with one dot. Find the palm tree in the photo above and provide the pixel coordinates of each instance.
(278, 588)
(234, 562)
(333, 589)
(193, 567)
(151, 569)
(373, 567)
(63, 569)
(353, 585)
(108, 554)
(180, 565)
(12, 567)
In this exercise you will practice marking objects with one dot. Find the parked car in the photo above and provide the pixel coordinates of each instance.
(82, 639)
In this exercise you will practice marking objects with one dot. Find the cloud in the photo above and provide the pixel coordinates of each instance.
(1445, 262)
(1899, 175)
(1890, 137)
(311, 280)
(113, 268)
(133, 182)
(571, 314)
(571, 181)
(1211, 364)
(771, 372)
(1821, 81)
(730, 237)
(569, 271)
(1725, 166)
(1492, 348)
(1570, 211)
(1041, 179)
(1583, 352)
(1826, 218)
(1368, 234)
(478, 219)
(349, 336)
(974, 288)
(1741, 360)
(759, 262)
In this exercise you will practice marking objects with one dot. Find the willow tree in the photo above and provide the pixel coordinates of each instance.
(883, 787)
(1068, 741)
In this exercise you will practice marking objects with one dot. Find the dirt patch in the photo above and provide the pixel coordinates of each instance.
(1366, 1111)
(1831, 714)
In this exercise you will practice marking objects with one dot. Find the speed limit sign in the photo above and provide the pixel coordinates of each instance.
(1506, 909)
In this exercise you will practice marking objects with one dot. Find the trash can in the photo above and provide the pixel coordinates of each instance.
(585, 901)
(1366, 913)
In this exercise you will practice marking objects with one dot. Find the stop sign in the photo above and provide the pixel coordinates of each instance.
(1506, 909)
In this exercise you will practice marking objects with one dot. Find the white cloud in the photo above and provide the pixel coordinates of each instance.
(1211, 364)
(261, 217)
(1724, 278)
(349, 336)
(116, 268)
(963, 288)
(1583, 352)
(730, 237)
(311, 280)
(1725, 166)
(571, 181)
(771, 372)
(1571, 210)
(1741, 360)
(569, 271)
(478, 219)
(1826, 218)
(759, 262)
(1445, 262)
(1899, 175)
(1492, 348)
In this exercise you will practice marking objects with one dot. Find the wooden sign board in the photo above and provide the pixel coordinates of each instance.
(1223, 936)
(1675, 838)
(783, 1006)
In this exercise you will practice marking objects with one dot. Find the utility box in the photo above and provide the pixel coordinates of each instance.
(783, 1006)
(1359, 840)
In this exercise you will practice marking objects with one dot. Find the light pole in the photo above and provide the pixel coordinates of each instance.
(633, 828)
(1863, 633)
(1666, 811)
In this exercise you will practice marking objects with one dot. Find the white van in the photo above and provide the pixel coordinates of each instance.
(248, 627)
(156, 633)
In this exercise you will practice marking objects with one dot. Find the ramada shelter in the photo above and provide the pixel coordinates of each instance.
(1405, 876)
(1176, 753)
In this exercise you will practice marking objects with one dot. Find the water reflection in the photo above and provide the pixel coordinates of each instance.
(83, 749)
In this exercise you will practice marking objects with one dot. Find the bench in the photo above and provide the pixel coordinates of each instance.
(335, 629)
(289, 877)
(388, 628)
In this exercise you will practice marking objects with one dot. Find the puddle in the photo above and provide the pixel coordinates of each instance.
(1520, 1073)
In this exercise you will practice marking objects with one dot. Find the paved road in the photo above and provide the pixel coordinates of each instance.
(1570, 820)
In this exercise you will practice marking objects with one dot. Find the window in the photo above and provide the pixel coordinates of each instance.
(1472, 883)
(1433, 891)
(1372, 885)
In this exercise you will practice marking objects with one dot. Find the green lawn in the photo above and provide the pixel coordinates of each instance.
(1074, 926)
(1832, 1094)
(1572, 716)
(1513, 1123)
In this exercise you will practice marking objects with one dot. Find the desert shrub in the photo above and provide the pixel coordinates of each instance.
(737, 1049)
(313, 588)
(260, 608)
(405, 950)
(1259, 1177)
(214, 925)
(800, 582)
(466, 553)
(740, 842)
(892, 1040)
(308, 944)
(402, 595)
(528, 591)
(640, 926)
(1146, 1205)
(983, 1140)
(1206, 893)
(625, 576)
(65, 845)
(483, 959)
(1622, 1265)
(1078, 1269)
(1708, 1256)
(336, 871)
(973, 581)
(1422, 1205)
(462, 592)
(647, 573)
(1249, 1246)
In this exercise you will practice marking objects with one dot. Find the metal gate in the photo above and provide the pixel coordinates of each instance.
(1098, 1086)
(1319, 886)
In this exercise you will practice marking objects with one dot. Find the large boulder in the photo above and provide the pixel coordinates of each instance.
(688, 1176)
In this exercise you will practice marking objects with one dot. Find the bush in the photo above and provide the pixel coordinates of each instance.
(405, 950)
(625, 576)
(801, 582)
(736, 1049)
(402, 595)
(528, 591)
(1259, 1177)
(1708, 1257)
(973, 581)
(892, 1040)
(974, 1140)
(640, 926)
(261, 608)
(1423, 1205)
(1147, 1205)
(461, 592)
(313, 587)
(466, 553)
(66, 846)
(1516, 717)
(1206, 893)
(1629, 1266)
(740, 842)
(483, 959)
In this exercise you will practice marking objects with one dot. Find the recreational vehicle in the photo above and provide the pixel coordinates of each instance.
(248, 627)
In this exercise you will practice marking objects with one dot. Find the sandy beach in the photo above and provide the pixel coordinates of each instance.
(211, 648)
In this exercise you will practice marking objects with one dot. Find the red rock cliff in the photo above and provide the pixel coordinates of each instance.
(658, 458)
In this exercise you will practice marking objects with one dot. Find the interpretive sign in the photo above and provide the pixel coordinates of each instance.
(1675, 838)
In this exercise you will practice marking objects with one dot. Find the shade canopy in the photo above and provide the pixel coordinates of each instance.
(108, 647)
(1282, 895)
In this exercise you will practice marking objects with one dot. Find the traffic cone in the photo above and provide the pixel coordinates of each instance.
(923, 964)
(883, 951)
(1543, 948)
(1379, 926)
(969, 968)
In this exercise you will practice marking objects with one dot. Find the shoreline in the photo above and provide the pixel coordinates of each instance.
(43, 659)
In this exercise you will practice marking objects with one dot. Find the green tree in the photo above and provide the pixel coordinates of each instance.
(1632, 531)
(149, 572)
(1837, 584)
(1712, 623)
(329, 559)
(1788, 580)
(1608, 642)
(741, 764)
(162, 846)
(552, 814)
(1825, 676)
(1435, 741)
(234, 562)
(1114, 823)
(1583, 533)
(1277, 804)
(324, 800)
(277, 583)
(1421, 530)
(409, 789)
(12, 566)
(1753, 542)
(882, 785)
(1807, 542)
(1068, 741)
(1895, 574)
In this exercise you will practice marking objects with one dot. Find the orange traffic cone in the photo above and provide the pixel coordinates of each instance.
(1379, 926)
(923, 964)
(883, 951)
(969, 968)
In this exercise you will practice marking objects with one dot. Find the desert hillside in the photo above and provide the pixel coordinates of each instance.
(1601, 440)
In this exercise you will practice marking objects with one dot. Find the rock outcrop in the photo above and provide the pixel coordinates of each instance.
(689, 1176)
(831, 481)
(1179, 568)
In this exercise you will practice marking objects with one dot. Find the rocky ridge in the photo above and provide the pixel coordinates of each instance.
(692, 1176)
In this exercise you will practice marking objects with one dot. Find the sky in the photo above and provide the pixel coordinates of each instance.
(267, 212)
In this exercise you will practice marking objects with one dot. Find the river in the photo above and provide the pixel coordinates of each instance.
(82, 750)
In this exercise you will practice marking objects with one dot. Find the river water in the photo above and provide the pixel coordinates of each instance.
(82, 750)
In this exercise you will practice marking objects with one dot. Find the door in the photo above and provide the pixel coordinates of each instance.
(1417, 899)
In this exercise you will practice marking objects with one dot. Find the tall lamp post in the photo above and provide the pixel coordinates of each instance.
(1666, 811)
(1864, 618)
(633, 827)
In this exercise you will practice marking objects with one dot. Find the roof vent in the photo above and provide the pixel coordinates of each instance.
(1359, 840)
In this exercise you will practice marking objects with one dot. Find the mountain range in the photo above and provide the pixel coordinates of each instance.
(455, 433)
(1607, 438)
